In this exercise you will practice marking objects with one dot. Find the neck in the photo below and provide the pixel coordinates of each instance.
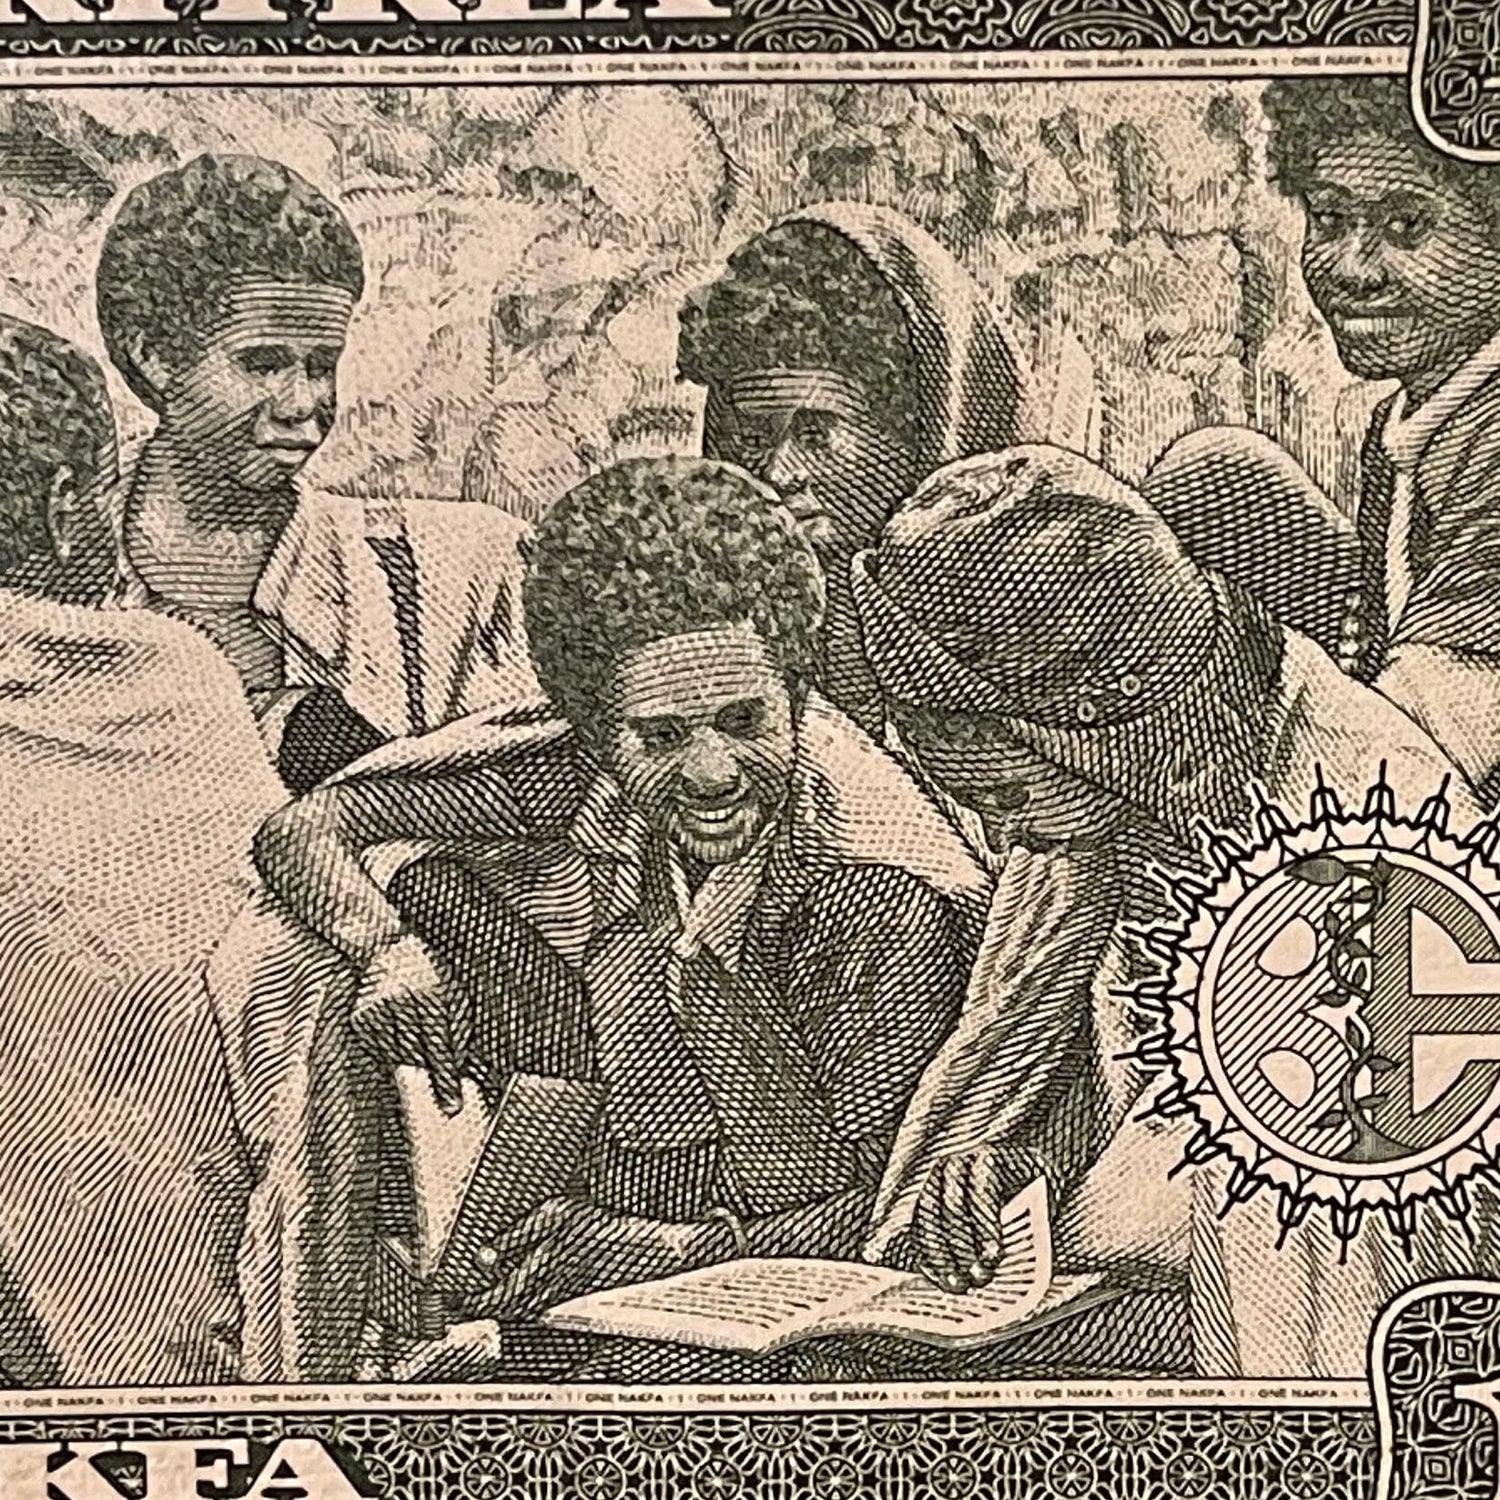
(197, 556)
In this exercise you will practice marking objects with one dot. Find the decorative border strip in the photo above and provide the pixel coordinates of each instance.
(747, 26)
(1007, 1454)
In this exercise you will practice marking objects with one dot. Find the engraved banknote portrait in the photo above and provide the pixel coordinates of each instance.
(761, 734)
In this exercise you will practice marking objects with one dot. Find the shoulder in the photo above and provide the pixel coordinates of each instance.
(118, 643)
(1327, 727)
(856, 805)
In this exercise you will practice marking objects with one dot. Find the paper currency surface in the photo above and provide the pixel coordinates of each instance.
(657, 659)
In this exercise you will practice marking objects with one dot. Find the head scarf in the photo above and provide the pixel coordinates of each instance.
(1239, 504)
(975, 388)
(1032, 589)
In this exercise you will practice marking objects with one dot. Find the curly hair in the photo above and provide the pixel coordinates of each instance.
(657, 547)
(181, 239)
(804, 296)
(1308, 114)
(54, 411)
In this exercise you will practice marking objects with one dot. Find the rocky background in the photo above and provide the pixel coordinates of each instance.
(527, 249)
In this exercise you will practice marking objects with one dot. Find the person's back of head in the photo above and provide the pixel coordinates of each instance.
(58, 457)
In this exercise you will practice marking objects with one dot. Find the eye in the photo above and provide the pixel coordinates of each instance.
(660, 736)
(322, 363)
(741, 720)
(262, 360)
(1325, 223)
(812, 429)
(1407, 230)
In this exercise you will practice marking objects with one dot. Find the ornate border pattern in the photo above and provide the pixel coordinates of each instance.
(769, 26)
(1456, 76)
(999, 1454)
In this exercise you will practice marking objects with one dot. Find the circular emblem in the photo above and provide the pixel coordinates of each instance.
(1332, 1010)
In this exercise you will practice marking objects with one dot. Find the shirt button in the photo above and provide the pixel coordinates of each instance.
(487, 1257)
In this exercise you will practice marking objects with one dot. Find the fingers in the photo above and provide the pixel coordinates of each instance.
(958, 1219)
(987, 1198)
(929, 1234)
(442, 1067)
(540, 1224)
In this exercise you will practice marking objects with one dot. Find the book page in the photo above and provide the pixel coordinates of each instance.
(917, 1308)
(755, 1305)
(761, 1304)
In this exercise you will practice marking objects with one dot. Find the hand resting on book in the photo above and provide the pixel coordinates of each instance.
(956, 1239)
(569, 1247)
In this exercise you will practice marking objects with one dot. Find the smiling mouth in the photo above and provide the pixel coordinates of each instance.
(1369, 320)
(712, 820)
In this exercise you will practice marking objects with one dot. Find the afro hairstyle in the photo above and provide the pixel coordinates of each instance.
(181, 239)
(1308, 114)
(656, 547)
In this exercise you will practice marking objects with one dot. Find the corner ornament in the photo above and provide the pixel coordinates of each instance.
(1455, 77)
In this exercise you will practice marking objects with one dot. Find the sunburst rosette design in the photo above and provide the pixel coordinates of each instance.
(1275, 1018)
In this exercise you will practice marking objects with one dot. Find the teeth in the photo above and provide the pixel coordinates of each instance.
(715, 817)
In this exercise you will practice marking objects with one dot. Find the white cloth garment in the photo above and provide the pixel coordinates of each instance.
(330, 599)
(1296, 1309)
(123, 859)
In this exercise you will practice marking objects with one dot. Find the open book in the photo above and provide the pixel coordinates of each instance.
(757, 1306)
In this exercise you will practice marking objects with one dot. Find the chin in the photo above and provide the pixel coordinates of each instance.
(1388, 359)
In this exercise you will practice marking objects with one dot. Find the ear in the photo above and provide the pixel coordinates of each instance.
(159, 374)
(63, 504)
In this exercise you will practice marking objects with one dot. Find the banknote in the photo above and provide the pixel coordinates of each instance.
(749, 749)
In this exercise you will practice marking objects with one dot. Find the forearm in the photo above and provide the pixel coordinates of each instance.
(305, 855)
(311, 852)
(828, 1229)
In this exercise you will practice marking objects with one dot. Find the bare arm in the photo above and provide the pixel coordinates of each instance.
(311, 852)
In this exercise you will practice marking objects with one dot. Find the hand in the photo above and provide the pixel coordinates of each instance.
(956, 1238)
(567, 1248)
(402, 1013)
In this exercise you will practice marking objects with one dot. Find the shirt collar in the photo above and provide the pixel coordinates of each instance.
(1405, 438)
(647, 877)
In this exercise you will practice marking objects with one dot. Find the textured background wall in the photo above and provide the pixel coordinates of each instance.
(527, 250)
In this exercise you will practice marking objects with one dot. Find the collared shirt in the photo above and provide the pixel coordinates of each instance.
(1405, 439)
(755, 1041)
(1429, 523)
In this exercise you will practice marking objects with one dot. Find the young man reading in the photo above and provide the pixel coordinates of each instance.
(750, 960)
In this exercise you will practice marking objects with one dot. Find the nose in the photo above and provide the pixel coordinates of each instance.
(1358, 267)
(708, 770)
(784, 468)
(297, 398)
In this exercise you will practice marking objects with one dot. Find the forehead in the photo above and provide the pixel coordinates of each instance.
(775, 391)
(1371, 167)
(981, 748)
(279, 312)
(697, 672)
